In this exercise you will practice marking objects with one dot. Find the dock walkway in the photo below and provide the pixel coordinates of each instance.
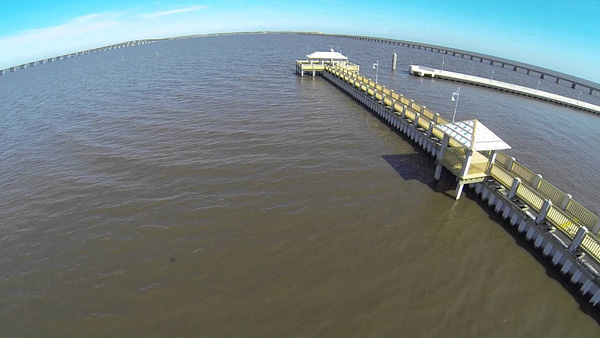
(504, 86)
(547, 217)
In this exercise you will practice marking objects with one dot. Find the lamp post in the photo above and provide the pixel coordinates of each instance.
(578, 96)
(492, 77)
(443, 62)
(538, 85)
(455, 97)
(376, 66)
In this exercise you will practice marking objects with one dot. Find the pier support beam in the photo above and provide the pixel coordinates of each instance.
(458, 191)
(440, 157)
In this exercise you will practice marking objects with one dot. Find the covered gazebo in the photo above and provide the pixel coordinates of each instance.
(332, 57)
(460, 151)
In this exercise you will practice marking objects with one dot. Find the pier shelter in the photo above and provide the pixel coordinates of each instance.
(316, 62)
(464, 159)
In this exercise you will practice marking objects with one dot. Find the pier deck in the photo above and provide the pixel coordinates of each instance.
(547, 217)
(507, 87)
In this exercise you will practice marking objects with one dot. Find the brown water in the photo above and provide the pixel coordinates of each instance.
(208, 191)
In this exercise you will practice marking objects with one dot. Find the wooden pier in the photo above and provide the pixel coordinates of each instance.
(550, 219)
(507, 87)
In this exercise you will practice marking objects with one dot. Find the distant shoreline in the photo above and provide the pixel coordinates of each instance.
(587, 84)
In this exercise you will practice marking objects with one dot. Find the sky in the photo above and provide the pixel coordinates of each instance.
(559, 35)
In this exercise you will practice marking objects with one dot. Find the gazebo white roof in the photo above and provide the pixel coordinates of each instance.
(326, 55)
(473, 135)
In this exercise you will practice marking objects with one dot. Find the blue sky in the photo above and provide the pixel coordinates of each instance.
(560, 35)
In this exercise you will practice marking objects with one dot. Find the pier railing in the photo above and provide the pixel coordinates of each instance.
(565, 214)
(550, 192)
(561, 211)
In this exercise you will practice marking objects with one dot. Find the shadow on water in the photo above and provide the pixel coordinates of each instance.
(551, 271)
(419, 166)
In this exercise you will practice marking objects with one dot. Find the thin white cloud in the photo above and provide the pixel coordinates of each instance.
(174, 11)
(75, 34)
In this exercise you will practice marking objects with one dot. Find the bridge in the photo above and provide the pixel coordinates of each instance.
(543, 73)
(550, 219)
(80, 53)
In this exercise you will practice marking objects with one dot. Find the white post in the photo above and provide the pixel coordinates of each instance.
(513, 188)
(491, 164)
(596, 228)
(565, 202)
(536, 181)
(467, 162)
(578, 239)
(510, 163)
(543, 211)
(458, 192)
(416, 121)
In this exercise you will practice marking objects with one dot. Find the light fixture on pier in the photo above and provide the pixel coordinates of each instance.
(578, 96)
(455, 96)
(492, 78)
(443, 62)
(376, 66)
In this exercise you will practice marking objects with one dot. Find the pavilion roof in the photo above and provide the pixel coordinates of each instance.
(473, 135)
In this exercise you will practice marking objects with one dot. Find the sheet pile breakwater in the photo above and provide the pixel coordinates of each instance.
(556, 224)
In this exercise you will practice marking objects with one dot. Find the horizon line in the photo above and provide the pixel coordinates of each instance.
(538, 69)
